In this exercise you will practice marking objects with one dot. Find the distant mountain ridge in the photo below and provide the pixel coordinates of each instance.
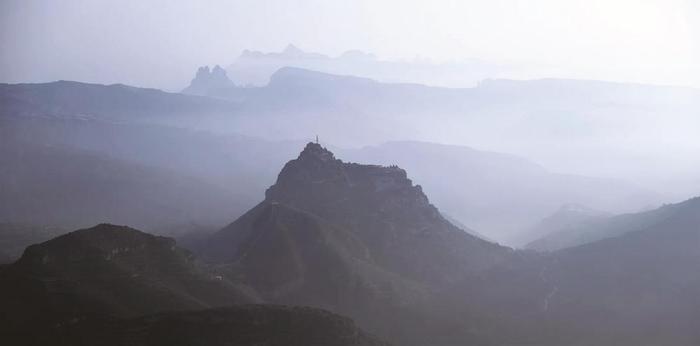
(206, 81)
(115, 102)
(135, 128)
(331, 233)
(605, 124)
(255, 67)
(590, 229)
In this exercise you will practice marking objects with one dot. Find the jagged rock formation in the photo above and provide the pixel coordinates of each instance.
(207, 81)
(363, 241)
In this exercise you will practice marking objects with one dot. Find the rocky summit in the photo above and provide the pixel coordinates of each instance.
(382, 209)
(361, 240)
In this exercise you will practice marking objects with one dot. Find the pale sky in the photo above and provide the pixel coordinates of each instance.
(160, 43)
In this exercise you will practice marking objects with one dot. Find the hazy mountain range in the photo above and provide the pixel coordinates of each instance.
(254, 68)
(501, 213)
(58, 138)
(363, 241)
(584, 127)
(569, 228)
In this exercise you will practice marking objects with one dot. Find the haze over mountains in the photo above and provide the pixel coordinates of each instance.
(412, 173)
(141, 132)
(363, 241)
(585, 127)
(569, 228)
(254, 68)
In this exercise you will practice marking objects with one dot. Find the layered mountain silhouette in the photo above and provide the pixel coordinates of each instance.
(377, 206)
(546, 120)
(361, 240)
(71, 187)
(90, 287)
(365, 242)
(493, 192)
(104, 271)
(568, 218)
(639, 288)
(117, 102)
(256, 67)
(118, 270)
(589, 227)
(331, 233)
(476, 187)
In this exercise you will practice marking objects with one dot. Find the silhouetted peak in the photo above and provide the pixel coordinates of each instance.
(314, 151)
(316, 174)
(292, 50)
(208, 79)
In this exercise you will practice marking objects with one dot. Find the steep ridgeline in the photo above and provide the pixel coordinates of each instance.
(357, 239)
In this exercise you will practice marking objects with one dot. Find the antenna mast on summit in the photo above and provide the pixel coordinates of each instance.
(316, 139)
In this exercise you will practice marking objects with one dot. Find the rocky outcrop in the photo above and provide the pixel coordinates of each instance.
(207, 81)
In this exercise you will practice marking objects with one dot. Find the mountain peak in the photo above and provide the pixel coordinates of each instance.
(314, 151)
(367, 212)
(292, 50)
(318, 182)
(207, 80)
